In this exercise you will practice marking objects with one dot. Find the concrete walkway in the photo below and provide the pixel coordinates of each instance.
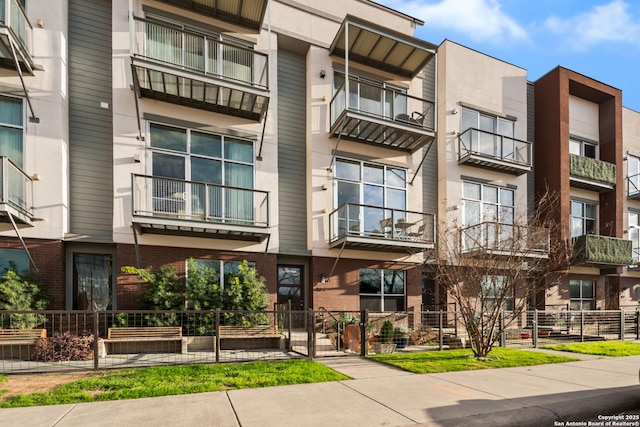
(381, 396)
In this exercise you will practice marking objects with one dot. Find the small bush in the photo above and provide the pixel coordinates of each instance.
(62, 347)
(386, 331)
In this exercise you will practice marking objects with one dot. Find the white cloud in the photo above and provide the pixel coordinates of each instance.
(481, 20)
(611, 22)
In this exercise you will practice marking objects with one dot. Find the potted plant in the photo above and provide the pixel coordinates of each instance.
(401, 336)
(385, 344)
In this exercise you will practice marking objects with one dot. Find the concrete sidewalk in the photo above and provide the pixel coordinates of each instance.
(381, 396)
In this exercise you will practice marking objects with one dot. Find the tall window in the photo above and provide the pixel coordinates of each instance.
(92, 281)
(488, 204)
(373, 191)
(584, 148)
(583, 218)
(634, 234)
(371, 97)
(581, 293)
(633, 171)
(495, 288)
(204, 158)
(484, 140)
(382, 290)
(11, 128)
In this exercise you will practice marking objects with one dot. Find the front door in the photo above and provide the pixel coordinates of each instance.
(291, 289)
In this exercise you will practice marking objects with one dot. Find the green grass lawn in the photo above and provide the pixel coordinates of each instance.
(463, 360)
(600, 348)
(172, 380)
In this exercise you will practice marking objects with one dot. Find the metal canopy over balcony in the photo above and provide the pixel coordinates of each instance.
(591, 174)
(381, 48)
(188, 208)
(376, 228)
(602, 251)
(493, 151)
(190, 69)
(505, 240)
(15, 37)
(247, 13)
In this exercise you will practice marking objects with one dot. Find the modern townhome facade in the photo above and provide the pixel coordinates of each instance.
(323, 143)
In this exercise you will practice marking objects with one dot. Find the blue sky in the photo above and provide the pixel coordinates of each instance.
(600, 39)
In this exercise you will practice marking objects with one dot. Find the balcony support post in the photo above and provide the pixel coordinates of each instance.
(264, 126)
(422, 161)
(335, 150)
(333, 269)
(24, 245)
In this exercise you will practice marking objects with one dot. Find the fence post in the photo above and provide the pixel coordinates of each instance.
(503, 341)
(217, 336)
(637, 325)
(364, 337)
(535, 328)
(311, 348)
(622, 325)
(440, 324)
(581, 325)
(96, 343)
(290, 318)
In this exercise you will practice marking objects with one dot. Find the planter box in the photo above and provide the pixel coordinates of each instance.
(383, 348)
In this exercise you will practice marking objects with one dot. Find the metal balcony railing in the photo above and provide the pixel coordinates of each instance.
(16, 189)
(634, 186)
(13, 17)
(378, 222)
(199, 53)
(476, 142)
(197, 201)
(505, 238)
(383, 103)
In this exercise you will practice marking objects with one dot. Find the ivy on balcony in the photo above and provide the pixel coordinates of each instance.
(592, 169)
(594, 249)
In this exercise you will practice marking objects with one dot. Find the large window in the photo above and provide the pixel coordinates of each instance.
(484, 140)
(581, 293)
(634, 234)
(584, 148)
(633, 171)
(92, 281)
(227, 268)
(583, 218)
(371, 97)
(382, 290)
(11, 128)
(187, 155)
(494, 206)
(496, 288)
(373, 191)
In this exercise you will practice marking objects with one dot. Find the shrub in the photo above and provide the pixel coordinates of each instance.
(21, 292)
(386, 331)
(62, 347)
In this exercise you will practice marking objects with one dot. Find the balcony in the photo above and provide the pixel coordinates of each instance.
(493, 151)
(16, 197)
(379, 115)
(188, 208)
(592, 174)
(591, 249)
(505, 240)
(376, 228)
(190, 69)
(15, 37)
(248, 14)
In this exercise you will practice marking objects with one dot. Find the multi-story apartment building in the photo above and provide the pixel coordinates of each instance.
(310, 139)
(154, 131)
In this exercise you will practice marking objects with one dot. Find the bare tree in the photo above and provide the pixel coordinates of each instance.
(492, 269)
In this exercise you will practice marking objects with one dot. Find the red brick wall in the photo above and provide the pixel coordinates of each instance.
(129, 287)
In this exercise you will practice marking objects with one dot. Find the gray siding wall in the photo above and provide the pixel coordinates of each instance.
(292, 165)
(430, 166)
(90, 125)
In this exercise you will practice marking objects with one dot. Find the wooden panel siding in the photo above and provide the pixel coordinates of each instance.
(429, 171)
(292, 163)
(90, 126)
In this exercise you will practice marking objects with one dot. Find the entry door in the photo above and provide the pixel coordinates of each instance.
(291, 286)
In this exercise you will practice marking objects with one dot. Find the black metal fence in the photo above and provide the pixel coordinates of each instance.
(44, 341)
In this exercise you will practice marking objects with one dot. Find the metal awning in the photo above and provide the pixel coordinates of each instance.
(247, 13)
(177, 227)
(382, 48)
